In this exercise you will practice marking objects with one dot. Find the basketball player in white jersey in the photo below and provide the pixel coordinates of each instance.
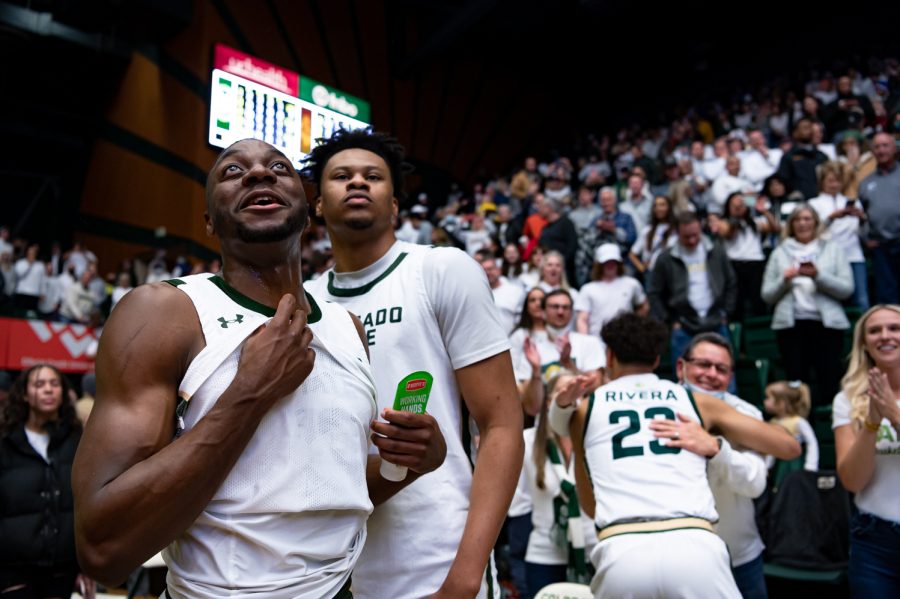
(423, 310)
(255, 484)
(651, 501)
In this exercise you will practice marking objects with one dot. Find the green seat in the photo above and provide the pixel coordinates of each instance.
(799, 574)
(735, 330)
(820, 419)
(759, 338)
(751, 377)
(853, 315)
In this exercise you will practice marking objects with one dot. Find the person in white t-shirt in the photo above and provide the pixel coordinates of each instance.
(726, 184)
(655, 237)
(842, 219)
(759, 162)
(29, 279)
(742, 234)
(508, 297)
(531, 269)
(426, 310)
(51, 294)
(610, 292)
(866, 422)
(530, 334)
(551, 346)
(512, 267)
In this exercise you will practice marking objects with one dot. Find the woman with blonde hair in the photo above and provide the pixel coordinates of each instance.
(866, 421)
(552, 274)
(806, 278)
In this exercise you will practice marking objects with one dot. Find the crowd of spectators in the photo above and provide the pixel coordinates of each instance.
(783, 203)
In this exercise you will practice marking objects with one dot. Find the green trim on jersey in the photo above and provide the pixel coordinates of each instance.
(694, 403)
(489, 577)
(174, 282)
(315, 313)
(355, 291)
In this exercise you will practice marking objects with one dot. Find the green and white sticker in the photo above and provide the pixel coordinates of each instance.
(412, 396)
(412, 393)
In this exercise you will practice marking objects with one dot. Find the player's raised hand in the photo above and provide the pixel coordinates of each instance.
(569, 388)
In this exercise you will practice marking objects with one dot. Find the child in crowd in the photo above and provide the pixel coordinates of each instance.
(789, 402)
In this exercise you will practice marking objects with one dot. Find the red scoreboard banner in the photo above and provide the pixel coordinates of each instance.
(24, 343)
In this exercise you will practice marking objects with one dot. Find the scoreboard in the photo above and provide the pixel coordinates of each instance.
(251, 98)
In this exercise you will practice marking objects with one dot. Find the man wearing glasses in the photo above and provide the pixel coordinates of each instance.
(736, 476)
(562, 347)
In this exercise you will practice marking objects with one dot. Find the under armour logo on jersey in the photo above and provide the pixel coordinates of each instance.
(238, 319)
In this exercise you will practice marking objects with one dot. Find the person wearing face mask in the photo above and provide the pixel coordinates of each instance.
(806, 279)
(736, 476)
(651, 502)
(557, 346)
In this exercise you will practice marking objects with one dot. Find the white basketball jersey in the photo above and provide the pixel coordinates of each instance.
(414, 536)
(289, 519)
(635, 475)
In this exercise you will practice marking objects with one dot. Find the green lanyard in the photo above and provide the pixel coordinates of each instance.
(568, 531)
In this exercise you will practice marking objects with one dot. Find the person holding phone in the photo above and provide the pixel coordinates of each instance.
(842, 218)
(806, 278)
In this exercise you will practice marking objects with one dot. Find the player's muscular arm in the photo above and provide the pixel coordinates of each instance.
(489, 390)
(746, 431)
(583, 483)
(136, 489)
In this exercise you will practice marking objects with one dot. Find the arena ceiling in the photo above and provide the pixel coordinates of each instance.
(469, 86)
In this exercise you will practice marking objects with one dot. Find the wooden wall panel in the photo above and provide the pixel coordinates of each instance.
(258, 26)
(156, 107)
(373, 35)
(450, 127)
(431, 89)
(128, 188)
(301, 26)
(192, 48)
(342, 44)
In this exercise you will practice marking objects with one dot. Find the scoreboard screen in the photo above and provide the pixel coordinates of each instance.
(251, 98)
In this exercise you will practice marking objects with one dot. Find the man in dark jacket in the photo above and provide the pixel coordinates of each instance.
(693, 287)
(798, 165)
(559, 234)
